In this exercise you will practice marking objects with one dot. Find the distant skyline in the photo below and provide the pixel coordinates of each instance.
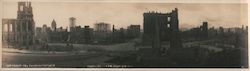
(124, 14)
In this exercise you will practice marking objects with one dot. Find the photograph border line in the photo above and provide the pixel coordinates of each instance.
(127, 69)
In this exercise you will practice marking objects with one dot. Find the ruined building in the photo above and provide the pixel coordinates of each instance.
(133, 31)
(204, 29)
(25, 24)
(81, 34)
(161, 27)
(53, 25)
(88, 34)
(102, 31)
(9, 31)
(72, 23)
(198, 33)
(23, 27)
(119, 35)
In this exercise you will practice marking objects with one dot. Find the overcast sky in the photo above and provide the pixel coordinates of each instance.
(125, 14)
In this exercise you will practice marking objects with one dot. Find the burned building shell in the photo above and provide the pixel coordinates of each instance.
(23, 27)
(161, 27)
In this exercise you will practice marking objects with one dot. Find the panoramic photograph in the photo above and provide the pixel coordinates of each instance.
(124, 35)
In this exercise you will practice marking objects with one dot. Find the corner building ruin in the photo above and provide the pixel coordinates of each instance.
(22, 28)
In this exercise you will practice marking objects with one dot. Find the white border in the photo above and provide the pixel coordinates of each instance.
(125, 69)
(140, 1)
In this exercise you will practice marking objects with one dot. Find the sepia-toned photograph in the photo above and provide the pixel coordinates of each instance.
(124, 35)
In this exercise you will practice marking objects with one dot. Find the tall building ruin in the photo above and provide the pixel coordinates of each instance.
(23, 27)
(161, 27)
(25, 23)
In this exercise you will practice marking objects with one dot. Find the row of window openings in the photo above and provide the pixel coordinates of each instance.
(22, 7)
(5, 28)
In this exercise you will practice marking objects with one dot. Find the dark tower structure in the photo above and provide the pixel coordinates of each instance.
(25, 24)
(204, 29)
(53, 25)
(161, 27)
